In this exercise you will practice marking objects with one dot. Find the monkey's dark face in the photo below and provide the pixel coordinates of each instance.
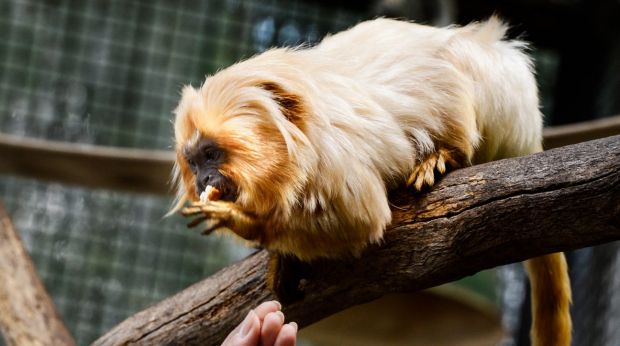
(205, 159)
(230, 134)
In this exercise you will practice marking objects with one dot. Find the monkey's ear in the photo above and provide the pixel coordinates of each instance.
(291, 105)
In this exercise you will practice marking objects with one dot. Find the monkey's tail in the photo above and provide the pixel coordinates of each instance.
(551, 298)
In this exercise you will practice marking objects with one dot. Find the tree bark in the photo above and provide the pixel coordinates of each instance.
(27, 314)
(473, 219)
(134, 170)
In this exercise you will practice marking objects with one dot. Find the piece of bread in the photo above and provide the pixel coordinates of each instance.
(210, 193)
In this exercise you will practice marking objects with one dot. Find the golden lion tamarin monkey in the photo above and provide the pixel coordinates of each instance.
(302, 145)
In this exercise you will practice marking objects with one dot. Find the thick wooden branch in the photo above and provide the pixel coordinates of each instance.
(559, 136)
(475, 218)
(135, 170)
(27, 314)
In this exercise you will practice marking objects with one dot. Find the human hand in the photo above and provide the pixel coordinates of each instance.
(263, 326)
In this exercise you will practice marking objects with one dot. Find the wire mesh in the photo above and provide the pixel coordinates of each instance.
(105, 255)
(109, 73)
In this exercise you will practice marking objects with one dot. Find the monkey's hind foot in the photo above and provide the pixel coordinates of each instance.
(221, 215)
(424, 172)
(286, 277)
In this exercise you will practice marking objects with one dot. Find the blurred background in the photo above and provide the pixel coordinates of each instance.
(108, 73)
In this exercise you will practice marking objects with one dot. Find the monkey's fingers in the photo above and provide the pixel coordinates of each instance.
(191, 211)
(449, 158)
(213, 226)
(441, 164)
(197, 204)
(197, 221)
(220, 215)
(419, 182)
(429, 170)
(424, 173)
(213, 209)
(217, 211)
(413, 176)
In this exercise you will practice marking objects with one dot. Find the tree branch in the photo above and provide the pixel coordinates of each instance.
(27, 313)
(475, 218)
(146, 171)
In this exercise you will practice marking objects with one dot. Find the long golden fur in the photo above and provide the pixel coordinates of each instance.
(314, 138)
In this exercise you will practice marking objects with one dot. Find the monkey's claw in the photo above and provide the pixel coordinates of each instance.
(424, 172)
(222, 214)
(219, 214)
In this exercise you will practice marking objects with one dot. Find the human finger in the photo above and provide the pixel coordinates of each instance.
(271, 328)
(248, 333)
(263, 309)
(287, 335)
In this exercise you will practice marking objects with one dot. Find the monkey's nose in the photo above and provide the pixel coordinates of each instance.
(203, 181)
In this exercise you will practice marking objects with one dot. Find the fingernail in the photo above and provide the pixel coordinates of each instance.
(294, 325)
(247, 324)
(280, 315)
(278, 304)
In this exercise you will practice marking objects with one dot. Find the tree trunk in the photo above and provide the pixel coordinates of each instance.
(27, 314)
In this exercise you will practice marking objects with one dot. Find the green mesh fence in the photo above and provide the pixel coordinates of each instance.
(105, 255)
(109, 73)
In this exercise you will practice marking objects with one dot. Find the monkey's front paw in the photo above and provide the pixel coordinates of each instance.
(223, 215)
(218, 213)
(424, 172)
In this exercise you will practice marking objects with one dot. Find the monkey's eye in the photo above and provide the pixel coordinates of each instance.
(211, 155)
(192, 164)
